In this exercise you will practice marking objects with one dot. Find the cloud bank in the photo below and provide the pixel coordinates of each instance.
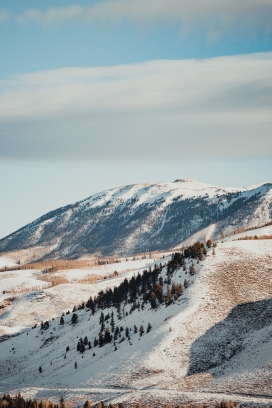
(159, 110)
(214, 17)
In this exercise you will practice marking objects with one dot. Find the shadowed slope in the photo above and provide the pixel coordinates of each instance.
(229, 337)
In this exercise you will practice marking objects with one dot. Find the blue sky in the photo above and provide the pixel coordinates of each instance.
(101, 93)
(33, 45)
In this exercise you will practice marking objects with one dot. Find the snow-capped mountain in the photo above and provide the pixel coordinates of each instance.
(134, 218)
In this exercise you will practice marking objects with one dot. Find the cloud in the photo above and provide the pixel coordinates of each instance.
(214, 17)
(158, 110)
(4, 15)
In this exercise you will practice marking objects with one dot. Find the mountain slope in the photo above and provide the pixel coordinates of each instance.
(134, 218)
(213, 342)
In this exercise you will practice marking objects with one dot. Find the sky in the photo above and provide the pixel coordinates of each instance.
(96, 94)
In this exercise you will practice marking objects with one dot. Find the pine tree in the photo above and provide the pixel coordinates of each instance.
(168, 298)
(74, 319)
(112, 323)
(90, 345)
(75, 364)
(149, 327)
(46, 325)
(186, 284)
(61, 403)
(173, 288)
(153, 300)
(101, 339)
(116, 332)
(192, 269)
(119, 315)
(141, 330)
(107, 337)
(101, 318)
(90, 305)
(40, 369)
(82, 347)
(61, 320)
(102, 322)
(135, 328)
(86, 341)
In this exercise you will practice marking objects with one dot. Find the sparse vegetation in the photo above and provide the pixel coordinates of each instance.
(246, 238)
(20, 402)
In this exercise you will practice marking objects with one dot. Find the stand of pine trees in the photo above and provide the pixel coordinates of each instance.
(138, 292)
(148, 288)
(19, 402)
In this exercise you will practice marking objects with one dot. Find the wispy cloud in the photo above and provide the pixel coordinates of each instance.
(213, 17)
(4, 15)
(218, 107)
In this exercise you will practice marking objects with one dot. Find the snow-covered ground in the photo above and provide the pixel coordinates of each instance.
(213, 343)
(22, 290)
(19, 280)
(259, 232)
(108, 269)
(213, 232)
(5, 261)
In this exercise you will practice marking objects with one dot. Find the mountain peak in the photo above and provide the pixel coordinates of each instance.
(184, 180)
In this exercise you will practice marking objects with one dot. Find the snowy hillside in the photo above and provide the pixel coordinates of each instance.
(211, 341)
(133, 218)
(24, 287)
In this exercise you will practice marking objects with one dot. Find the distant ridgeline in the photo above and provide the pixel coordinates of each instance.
(130, 219)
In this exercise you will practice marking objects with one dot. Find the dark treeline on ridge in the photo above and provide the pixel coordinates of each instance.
(149, 288)
(148, 284)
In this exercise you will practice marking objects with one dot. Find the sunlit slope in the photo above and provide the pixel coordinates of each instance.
(215, 338)
(134, 218)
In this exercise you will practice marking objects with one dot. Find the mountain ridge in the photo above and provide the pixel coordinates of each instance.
(132, 218)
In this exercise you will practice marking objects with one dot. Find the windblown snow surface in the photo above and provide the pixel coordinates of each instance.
(213, 343)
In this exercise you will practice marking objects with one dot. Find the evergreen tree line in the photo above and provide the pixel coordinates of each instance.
(146, 288)
(148, 285)
(140, 290)
(109, 334)
(222, 404)
(20, 402)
